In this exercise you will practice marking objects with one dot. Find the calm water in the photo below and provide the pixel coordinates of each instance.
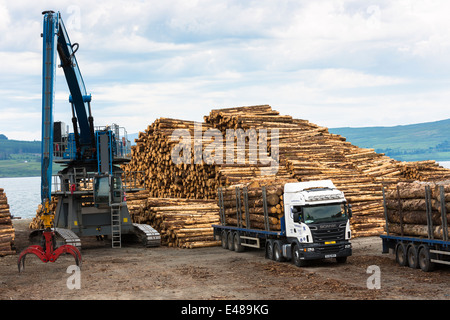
(24, 195)
(445, 164)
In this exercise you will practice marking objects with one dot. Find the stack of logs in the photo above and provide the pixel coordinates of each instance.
(406, 208)
(183, 223)
(305, 152)
(153, 155)
(7, 232)
(255, 215)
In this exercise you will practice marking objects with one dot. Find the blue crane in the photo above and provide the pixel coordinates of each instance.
(90, 157)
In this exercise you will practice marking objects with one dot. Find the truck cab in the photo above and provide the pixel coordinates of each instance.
(316, 221)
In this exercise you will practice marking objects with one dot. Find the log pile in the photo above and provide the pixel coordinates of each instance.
(407, 212)
(309, 152)
(183, 223)
(153, 155)
(7, 232)
(305, 152)
(255, 218)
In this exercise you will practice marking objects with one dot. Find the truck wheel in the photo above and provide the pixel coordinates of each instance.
(269, 250)
(412, 256)
(296, 257)
(400, 254)
(424, 259)
(230, 245)
(277, 251)
(224, 239)
(237, 243)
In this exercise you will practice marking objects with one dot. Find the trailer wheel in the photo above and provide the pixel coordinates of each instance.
(237, 243)
(400, 254)
(424, 259)
(230, 245)
(269, 249)
(224, 239)
(412, 256)
(277, 247)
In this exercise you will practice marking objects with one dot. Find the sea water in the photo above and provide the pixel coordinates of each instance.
(24, 195)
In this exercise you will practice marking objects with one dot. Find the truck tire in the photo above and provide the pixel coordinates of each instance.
(296, 257)
(424, 259)
(277, 251)
(237, 242)
(224, 239)
(411, 255)
(230, 244)
(269, 249)
(400, 254)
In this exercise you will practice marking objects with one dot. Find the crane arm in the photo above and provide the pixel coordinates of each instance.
(56, 42)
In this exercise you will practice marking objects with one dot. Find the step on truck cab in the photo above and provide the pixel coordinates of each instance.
(314, 225)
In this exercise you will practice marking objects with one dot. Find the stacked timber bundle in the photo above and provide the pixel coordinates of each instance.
(428, 170)
(406, 208)
(155, 157)
(137, 204)
(7, 232)
(255, 218)
(184, 223)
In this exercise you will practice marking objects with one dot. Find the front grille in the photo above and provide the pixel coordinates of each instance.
(329, 232)
(330, 249)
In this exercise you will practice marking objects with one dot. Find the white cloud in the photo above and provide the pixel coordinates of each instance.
(336, 63)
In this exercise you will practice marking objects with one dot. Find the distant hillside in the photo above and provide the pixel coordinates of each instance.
(12, 147)
(423, 141)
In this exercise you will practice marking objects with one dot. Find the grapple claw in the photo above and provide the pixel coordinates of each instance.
(48, 254)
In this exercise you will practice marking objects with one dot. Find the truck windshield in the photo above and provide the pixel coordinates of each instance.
(323, 213)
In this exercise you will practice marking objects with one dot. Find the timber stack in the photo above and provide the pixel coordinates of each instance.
(168, 173)
(406, 208)
(254, 218)
(183, 223)
(7, 232)
(291, 149)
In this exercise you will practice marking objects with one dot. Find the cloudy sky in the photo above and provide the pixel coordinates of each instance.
(334, 63)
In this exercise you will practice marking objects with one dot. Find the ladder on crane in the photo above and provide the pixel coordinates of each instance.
(116, 235)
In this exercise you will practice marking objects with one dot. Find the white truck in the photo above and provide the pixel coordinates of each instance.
(315, 225)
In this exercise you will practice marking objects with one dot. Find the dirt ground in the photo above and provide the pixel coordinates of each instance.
(162, 273)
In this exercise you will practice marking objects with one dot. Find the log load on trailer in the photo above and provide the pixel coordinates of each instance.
(313, 223)
(417, 224)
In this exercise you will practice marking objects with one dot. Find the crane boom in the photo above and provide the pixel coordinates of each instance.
(56, 41)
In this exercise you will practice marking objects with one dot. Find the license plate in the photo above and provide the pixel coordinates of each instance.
(330, 256)
(330, 242)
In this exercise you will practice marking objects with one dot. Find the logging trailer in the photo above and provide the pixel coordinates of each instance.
(419, 252)
(315, 224)
(90, 190)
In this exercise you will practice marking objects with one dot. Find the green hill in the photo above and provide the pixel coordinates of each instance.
(19, 158)
(423, 141)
